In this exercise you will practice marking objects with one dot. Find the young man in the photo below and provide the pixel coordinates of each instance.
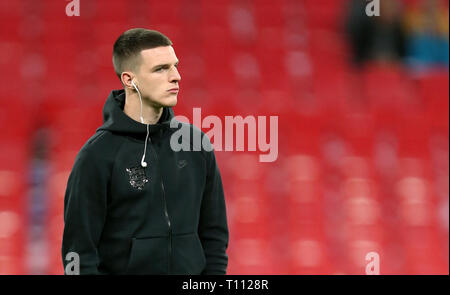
(132, 204)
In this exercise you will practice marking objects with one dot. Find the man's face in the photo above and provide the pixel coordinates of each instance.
(157, 77)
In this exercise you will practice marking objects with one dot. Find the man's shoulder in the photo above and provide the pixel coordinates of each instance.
(194, 130)
(97, 141)
(95, 158)
(100, 146)
(195, 133)
(177, 125)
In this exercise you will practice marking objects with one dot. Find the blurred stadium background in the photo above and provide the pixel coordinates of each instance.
(363, 112)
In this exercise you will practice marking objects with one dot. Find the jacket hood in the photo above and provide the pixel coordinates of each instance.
(115, 120)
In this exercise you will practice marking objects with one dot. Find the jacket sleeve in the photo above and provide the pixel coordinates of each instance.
(85, 205)
(213, 228)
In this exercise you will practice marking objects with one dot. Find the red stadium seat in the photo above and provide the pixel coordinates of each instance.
(434, 88)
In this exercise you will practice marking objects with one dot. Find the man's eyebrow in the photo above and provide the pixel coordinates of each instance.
(164, 65)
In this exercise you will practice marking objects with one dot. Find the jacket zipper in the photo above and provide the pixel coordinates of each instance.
(169, 224)
(166, 214)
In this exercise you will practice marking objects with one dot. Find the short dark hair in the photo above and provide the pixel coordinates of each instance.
(128, 46)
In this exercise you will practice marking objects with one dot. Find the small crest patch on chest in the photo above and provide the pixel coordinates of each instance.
(138, 179)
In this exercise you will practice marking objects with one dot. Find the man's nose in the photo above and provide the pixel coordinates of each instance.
(174, 75)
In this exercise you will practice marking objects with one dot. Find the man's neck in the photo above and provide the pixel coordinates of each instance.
(132, 108)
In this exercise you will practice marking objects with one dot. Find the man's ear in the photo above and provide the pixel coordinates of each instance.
(126, 78)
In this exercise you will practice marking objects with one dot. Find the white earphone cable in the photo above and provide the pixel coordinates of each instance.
(143, 163)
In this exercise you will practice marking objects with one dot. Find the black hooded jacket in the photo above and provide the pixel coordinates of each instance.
(122, 218)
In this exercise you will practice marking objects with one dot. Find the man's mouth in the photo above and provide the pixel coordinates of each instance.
(174, 90)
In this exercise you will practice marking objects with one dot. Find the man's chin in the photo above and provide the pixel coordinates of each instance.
(166, 102)
(170, 102)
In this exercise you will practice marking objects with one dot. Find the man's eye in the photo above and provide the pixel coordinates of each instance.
(158, 70)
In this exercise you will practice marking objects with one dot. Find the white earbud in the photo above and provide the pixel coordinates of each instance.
(134, 85)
